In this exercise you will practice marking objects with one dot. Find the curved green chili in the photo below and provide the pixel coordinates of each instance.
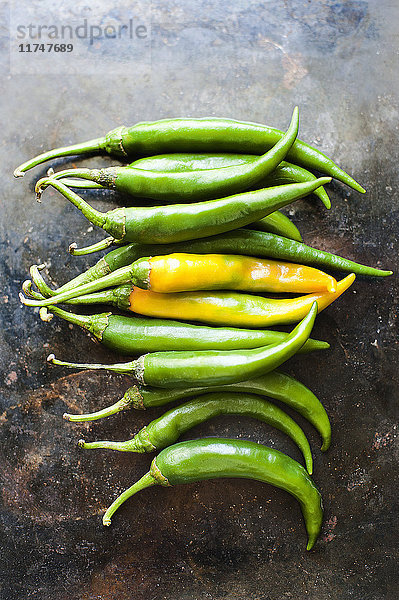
(285, 172)
(276, 223)
(179, 222)
(180, 369)
(167, 429)
(275, 384)
(196, 135)
(211, 458)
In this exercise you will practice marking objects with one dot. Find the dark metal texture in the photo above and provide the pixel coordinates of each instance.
(220, 539)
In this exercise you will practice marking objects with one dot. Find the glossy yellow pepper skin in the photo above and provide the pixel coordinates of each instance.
(233, 309)
(181, 272)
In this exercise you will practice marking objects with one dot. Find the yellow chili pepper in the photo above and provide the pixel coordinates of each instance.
(229, 308)
(181, 272)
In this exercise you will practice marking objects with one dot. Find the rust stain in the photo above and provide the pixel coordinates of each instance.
(382, 440)
(11, 378)
(42, 478)
(330, 525)
(292, 64)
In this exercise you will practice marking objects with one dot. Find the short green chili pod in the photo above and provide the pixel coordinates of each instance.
(167, 429)
(276, 385)
(211, 458)
(179, 222)
(189, 185)
(182, 369)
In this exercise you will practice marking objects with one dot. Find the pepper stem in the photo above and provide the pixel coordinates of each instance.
(101, 245)
(94, 216)
(125, 403)
(85, 321)
(122, 275)
(127, 446)
(81, 173)
(38, 280)
(94, 145)
(146, 481)
(82, 185)
(127, 368)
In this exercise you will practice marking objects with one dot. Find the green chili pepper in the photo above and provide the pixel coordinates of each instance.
(133, 335)
(211, 458)
(180, 369)
(179, 222)
(275, 384)
(167, 429)
(187, 185)
(276, 223)
(279, 224)
(285, 172)
(196, 135)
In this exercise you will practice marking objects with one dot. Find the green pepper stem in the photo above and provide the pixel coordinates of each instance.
(127, 446)
(85, 321)
(84, 148)
(80, 173)
(146, 481)
(101, 245)
(27, 290)
(103, 297)
(79, 184)
(94, 216)
(122, 275)
(119, 406)
(38, 280)
(127, 368)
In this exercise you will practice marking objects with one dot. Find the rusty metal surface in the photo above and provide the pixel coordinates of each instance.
(220, 539)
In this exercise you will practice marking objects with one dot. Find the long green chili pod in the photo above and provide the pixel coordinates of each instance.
(211, 458)
(198, 135)
(167, 429)
(285, 172)
(135, 335)
(189, 185)
(276, 223)
(182, 369)
(179, 222)
(276, 385)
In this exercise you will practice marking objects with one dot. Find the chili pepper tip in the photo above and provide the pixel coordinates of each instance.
(50, 171)
(72, 247)
(81, 443)
(51, 358)
(66, 417)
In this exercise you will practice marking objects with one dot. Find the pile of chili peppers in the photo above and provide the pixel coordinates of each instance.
(192, 272)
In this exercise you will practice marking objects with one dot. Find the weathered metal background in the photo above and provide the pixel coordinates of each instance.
(218, 539)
